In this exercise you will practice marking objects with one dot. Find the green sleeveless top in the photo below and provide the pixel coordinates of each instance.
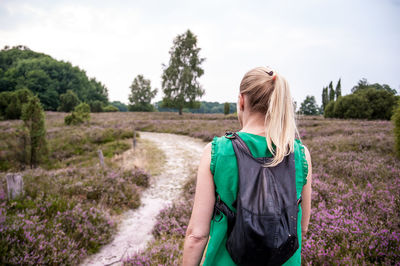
(224, 168)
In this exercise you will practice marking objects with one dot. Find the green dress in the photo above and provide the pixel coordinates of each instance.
(224, 168)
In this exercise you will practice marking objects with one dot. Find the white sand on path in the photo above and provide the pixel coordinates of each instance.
(134, 231)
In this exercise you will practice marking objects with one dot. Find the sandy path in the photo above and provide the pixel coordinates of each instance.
(135, 229)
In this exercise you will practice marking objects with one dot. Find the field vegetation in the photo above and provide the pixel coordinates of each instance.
(71, 205)
(356, 189)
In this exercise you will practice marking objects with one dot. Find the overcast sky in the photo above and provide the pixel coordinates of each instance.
(310, 42)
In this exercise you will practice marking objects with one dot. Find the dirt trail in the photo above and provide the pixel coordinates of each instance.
(134, 232)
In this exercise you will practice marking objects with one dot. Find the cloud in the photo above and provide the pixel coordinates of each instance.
(309, 42)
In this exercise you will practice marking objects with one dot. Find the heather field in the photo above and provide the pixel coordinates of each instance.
(356, 190)
(69, 205)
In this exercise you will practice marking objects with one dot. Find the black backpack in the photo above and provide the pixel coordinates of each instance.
(263, 231)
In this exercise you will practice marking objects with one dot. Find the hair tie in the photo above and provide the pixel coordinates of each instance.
(274, 77)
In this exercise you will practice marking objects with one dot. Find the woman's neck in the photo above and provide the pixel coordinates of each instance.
(254, 123)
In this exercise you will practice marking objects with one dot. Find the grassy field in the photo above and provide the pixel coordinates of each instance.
(356, 187)
(71, 204)
(356, 190)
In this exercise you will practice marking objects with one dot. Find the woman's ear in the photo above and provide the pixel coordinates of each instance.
(241, 102)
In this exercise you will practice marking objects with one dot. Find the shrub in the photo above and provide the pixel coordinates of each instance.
(33, 117)
(110, 108)
(396, 121)
(13, 110)
(50, 230)
(328, 112)
(368, 103)
(73, 119)
(80, 115)
(4, 101)
(381, 102)
(68, 101)
(96, 106)
(11, 103)
(352, 106)
(141, 107)
(226, 108)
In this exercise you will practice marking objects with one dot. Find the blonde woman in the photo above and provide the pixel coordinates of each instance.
(266, 115)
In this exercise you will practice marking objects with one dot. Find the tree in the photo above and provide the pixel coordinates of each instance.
(338, 89)
(46, 77)
(121, 106)
(141, 95)
(325, 97)
(68, 101)
(309, 106)
(331, 92)
(362, 84)
(33, 117)
(180, 78)
(226, 108)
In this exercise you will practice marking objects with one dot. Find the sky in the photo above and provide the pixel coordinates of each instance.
(310, 42)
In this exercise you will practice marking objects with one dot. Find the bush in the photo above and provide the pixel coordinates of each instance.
(33, 117)
(80, 115)
(396, 121)
(381, 102)
(142, 107)
(369, 103)
(11, 103)
(13, 110)
(96, 106)
(4, 101)
(110, 108)
(226, 108)
(73, 119)
(328, 112)
(352, 106)
(68, 101)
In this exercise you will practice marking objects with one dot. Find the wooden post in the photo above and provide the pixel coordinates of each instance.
(134, 139)
(15, 185)
(101, 157)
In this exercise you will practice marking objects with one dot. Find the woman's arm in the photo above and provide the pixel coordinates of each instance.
(199, 226)
(306, 195)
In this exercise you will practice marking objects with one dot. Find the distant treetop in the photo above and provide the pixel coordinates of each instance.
(21, 67)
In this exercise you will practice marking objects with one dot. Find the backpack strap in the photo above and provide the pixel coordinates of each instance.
(221, 207)
(239, 143)
(235, 137)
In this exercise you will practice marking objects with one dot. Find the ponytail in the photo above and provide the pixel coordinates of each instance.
(269, 93)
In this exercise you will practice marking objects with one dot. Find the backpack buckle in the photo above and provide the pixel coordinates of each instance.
(229, 135)
(299, 200)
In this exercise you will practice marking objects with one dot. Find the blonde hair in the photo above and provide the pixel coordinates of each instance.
(268, 93)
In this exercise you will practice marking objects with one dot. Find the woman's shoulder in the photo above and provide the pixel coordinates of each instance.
(304, 156)
(221, 145)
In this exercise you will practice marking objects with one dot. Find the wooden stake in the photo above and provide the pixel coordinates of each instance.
(15, 185)
(101, 157)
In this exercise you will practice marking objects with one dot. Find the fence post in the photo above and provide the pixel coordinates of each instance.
(15, 185)
(101, 157)
(134, 139)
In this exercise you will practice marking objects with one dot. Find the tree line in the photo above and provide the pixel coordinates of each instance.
(58, 85)
(366, 101)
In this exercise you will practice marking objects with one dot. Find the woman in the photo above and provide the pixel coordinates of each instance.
(265, 112)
